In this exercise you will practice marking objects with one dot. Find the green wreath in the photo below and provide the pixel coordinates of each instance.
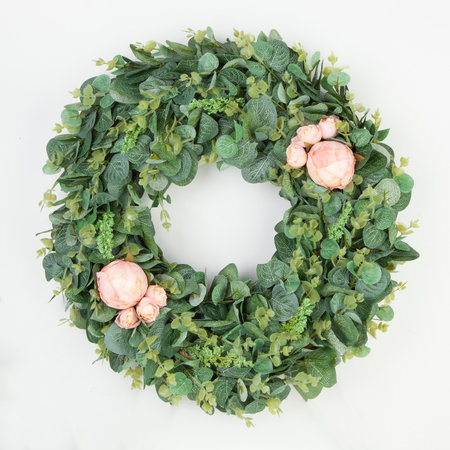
(278, 116)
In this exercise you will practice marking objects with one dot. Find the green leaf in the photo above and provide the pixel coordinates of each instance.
(222, 390)
(226, 147)
(218, 293)
(338, 79)
(104, 313)
(384, 217)
(208, 129)
(71, 118)
(333, 206)
(345, 329)
(283, 304)
(198, 295)
(270, 273)
(405, 182)
(390, 191)
(116, 341)
(258, 171)
(385, 313)
(285, 246)
(280, 56)
(266, 113)
(208, 62)
(296, 70)
(360, 137)
(246, 154)
(182, 386)
(255, 407)
(263, 49)
(373, 237)
(376, 291)
(375, 163)
(117, 169)
(371, 274)
(106, 101)
(263, 366)
(122, 92)
(102, 83)
(329, 248)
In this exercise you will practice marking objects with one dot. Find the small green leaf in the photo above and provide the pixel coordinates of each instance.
(338, 79)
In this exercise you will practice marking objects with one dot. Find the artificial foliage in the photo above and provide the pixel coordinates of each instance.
(236, 346)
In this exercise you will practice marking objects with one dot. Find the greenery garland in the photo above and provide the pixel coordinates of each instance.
(234, 346)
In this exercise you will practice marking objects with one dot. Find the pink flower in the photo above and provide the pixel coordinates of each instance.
(157, 295)
(127, 319)
(327, 126)
(146, 310)
(331, 164)
(309, 135)
(121, 284)
(296, 154)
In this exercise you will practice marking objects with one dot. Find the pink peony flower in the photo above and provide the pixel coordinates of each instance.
(127, 319)
(296, 154)
(309, 135)
(157, 295)
(331, 164)
(121, 284)
(327, 126)
(147, 311)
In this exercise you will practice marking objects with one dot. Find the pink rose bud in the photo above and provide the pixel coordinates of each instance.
(327, 126)
(309, 135)
(157, 295)
(121, 284)
(295, 153)
(331, 164)
(147, 311)
(127, 319)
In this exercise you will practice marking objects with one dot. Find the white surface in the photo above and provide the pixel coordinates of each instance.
(51, 397)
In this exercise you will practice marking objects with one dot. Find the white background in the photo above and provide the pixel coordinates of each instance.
(52, 397)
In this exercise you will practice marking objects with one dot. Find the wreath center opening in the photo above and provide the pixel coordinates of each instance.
(219, 218)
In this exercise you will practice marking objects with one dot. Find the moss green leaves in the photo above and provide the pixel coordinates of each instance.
(235, 345)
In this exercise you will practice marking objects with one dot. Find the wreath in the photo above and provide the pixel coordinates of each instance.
(237, 346)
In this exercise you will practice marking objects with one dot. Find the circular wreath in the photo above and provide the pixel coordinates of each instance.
(278, 116)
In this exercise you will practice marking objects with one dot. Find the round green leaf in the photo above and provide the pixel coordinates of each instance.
(329, 249)
(389, 190)
(102, 83)
(385, 313)
(338, 79)
(371, 274)
(226, 147)
(405, 182)
(384, 218)
(360, 137)
(208, 62)
(373, 237)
